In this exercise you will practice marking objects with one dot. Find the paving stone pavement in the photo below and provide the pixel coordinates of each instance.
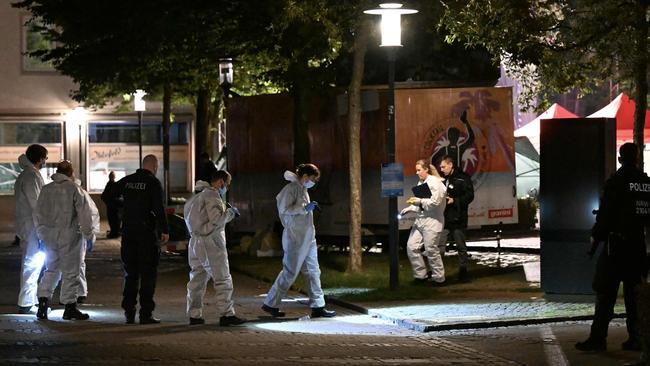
(101, 343)
(349, 338)
(432, 317)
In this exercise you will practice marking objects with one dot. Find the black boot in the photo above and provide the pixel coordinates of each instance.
(226, 321)
(592, 345)
(275, 312)
(130, 316)
(72, 313)
(42, 308)
(632, 344)
(148, 319)
(322, 313)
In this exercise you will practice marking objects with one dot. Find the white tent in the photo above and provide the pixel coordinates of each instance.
(622, 108)
(527, 151)
(527, 168)
(531, 129)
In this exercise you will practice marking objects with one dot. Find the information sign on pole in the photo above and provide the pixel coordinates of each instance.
(392, 179)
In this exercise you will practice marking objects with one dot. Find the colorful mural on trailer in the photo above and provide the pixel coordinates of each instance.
(473, 125)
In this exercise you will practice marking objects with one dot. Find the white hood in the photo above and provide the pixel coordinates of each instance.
(291, 176)
(60, 178)
(24, 162)
(200, 185)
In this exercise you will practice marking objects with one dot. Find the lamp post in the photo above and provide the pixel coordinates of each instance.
(226, 77)
(226, 72)
(391, 40)
(76, 124)
(139, 105)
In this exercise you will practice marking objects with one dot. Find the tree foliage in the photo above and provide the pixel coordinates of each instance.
(557, 44)
(113, 47)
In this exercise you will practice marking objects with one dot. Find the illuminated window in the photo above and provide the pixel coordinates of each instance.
(20, 133)
(15, 137)
(127, 132)
(113, 146)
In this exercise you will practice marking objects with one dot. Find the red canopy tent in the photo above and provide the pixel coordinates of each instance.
(622, 108)
(531, 129)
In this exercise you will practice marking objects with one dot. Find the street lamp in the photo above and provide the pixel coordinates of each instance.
(391, 34)
(139, 105)
(225, 71)
(226, 77)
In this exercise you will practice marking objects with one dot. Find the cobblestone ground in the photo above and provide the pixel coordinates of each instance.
(546, 344)
(472, 315)
(350, 338)
(28, 341)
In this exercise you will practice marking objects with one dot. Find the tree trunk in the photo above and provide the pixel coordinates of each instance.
(301, 150)
(640, 76)
(355, 262)
(202, 133)
(167, 114)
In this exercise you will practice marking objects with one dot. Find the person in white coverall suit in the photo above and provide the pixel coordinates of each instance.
(82, 292)
(427, 228)
(206, 215)
(27, 188)
(65, 224)
(298, 242)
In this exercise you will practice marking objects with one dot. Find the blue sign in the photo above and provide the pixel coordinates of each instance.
(392, 179)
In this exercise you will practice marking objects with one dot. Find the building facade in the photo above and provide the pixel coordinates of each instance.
(35, 107)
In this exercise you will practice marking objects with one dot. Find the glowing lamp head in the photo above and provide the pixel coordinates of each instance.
(226, 73)
(391, 30)
(76, 116)
(139, 104)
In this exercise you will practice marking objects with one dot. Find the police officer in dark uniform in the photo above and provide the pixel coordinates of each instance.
(460, 193)
(624, 211)
(144, 230)
(113, 208)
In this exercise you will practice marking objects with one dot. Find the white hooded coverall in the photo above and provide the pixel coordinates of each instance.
(206, 217)
(65, 220)
(426, 230)
(83, 283)
(298, 243)
(27, 188)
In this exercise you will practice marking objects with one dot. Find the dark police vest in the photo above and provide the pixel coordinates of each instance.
(624, 212)
(143, 203)
(624, 208)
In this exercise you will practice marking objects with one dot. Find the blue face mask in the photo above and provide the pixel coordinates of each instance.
(223, 190)
(308, 184)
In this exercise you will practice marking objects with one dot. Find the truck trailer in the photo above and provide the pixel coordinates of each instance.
(259, 139)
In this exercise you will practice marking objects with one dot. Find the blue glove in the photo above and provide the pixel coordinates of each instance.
(311, 206)
(89, 245)
(235, 211)
(41, 245)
